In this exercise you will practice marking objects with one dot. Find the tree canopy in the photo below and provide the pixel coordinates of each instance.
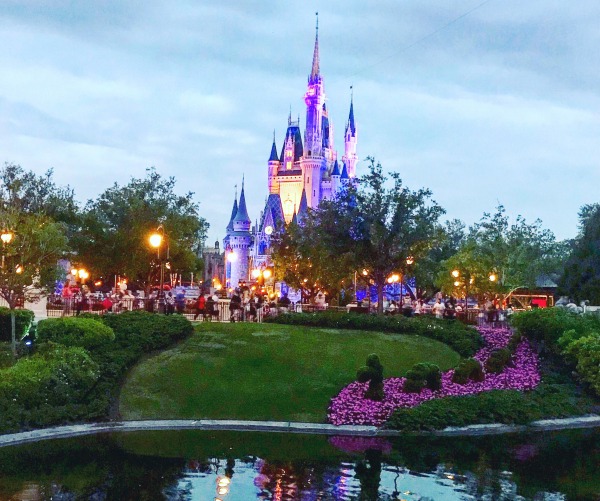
(581, 276)
(113, 239)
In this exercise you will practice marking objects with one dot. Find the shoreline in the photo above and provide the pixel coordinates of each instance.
(69, 431)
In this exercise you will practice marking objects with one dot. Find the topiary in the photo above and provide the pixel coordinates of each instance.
(497, 360)
(423, 375)
(373, 373)
(469, 369)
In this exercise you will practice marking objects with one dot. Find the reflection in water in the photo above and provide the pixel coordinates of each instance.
(223, 466)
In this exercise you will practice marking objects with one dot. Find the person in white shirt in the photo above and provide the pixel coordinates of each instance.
(438, 309)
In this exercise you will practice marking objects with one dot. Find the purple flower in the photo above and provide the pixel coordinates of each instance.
(350, 406)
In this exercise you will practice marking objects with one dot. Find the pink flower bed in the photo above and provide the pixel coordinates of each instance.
(350, 406)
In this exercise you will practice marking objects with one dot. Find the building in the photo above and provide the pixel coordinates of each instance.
(305, 171)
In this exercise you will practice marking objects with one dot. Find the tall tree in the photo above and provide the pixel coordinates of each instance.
(581, 276)
(114, 235)
(380, 227)
(32, 244)
(515, 254)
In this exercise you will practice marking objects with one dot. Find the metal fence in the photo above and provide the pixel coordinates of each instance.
(58, 306)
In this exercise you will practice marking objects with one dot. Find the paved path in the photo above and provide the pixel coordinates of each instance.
(283, 427)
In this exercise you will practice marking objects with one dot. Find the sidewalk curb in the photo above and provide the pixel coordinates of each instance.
(77, 430)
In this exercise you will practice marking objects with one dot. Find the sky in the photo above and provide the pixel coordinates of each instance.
(484, 102)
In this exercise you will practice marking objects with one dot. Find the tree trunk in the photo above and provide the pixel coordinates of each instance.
(13, 334)
(380, 296)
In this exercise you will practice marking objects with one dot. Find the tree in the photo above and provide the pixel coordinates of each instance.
(581, 276)
(514, 255)
(113, 239)
(303, 260)
(32, 244)
(380, 228)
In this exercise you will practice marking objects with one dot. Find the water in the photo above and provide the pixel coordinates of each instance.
(194, 465)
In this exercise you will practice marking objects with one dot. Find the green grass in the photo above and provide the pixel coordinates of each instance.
(265, 371)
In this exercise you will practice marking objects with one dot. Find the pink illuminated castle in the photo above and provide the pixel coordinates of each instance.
(306, 171)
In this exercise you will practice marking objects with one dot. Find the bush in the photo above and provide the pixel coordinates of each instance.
(463, 339)
(548, 325)
(373, 373)
(499, 406)
(23, 320)
(56, 375)
(468, 370)
(75, 331)
(423, 375)
(586, 352)
(498, 360)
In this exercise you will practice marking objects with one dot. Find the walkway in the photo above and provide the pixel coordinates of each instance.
(285, 427)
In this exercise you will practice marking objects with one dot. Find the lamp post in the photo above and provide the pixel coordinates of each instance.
(156, 240)
(6, 237)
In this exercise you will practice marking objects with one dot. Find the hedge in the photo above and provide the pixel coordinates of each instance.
(463, 339)
(23, 320)
(74, 331)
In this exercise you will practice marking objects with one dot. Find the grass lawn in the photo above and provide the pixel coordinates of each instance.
(265, 371)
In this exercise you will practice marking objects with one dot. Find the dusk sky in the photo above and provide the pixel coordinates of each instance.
(482, 102)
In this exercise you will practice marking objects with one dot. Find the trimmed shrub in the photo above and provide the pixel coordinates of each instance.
(463, 339)
(423, 375)
(56, 375)
(586, 352)
(499, 406)
(468, 370)
(23, 320)
(498, 360)
(75, 331)
(373, 373)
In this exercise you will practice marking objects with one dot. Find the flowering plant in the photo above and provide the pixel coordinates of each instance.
(350, 406)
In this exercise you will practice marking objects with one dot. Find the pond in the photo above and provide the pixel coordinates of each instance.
(237, 466)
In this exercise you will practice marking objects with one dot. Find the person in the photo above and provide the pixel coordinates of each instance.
(200, 306)
(215, 298)
(450, 308)
(438, 309)
(209, 308)
(407, 308)
(392, 308)
(418, 310)
(285, 302)
(320, 301)
(170, 303)
(180, 302)
(234, 305)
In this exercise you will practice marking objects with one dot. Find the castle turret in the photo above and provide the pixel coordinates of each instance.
(240, 241)
(273, 168)
(335, 179)
(350, 139)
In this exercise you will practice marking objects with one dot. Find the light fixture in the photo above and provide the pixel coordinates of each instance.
(6, 237)
(155, 240)
(19, 269)
(255, 273)
(267, 273)
(455, 273)
(268, 230)
(492, 277)
(232, 257)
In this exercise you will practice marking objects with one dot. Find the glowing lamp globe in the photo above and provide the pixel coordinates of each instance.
(155, 240)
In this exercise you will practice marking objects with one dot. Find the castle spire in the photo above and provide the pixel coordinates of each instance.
(233, 212)
(314, 74)
(242, 212)
(273, 156)
(351, 125)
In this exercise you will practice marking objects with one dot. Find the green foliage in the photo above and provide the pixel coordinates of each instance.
(423, 375)
(581, 275)
(61, 383)
(373, 373)
(497, 360)
(468, 370)
(45, 388)
(518, 252)
(113, 238)
(463, 339)
(23, 320)
(74, 331)
(586, 351)
(553, 398)
(549, 324)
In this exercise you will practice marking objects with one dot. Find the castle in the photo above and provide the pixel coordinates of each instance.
(305, 172)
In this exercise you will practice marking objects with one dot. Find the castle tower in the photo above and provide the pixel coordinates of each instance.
(350, 139)
(240, 241)
(313, 160)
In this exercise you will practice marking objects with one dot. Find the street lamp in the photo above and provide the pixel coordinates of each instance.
(6, 238)
(156, 241)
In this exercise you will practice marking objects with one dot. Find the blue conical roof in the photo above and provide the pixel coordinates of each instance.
(302, 209)
(274, 156)
(345, 173)
(336, 169)
(233, 214)
(351, 124)
(242, 212)
(314, 73)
